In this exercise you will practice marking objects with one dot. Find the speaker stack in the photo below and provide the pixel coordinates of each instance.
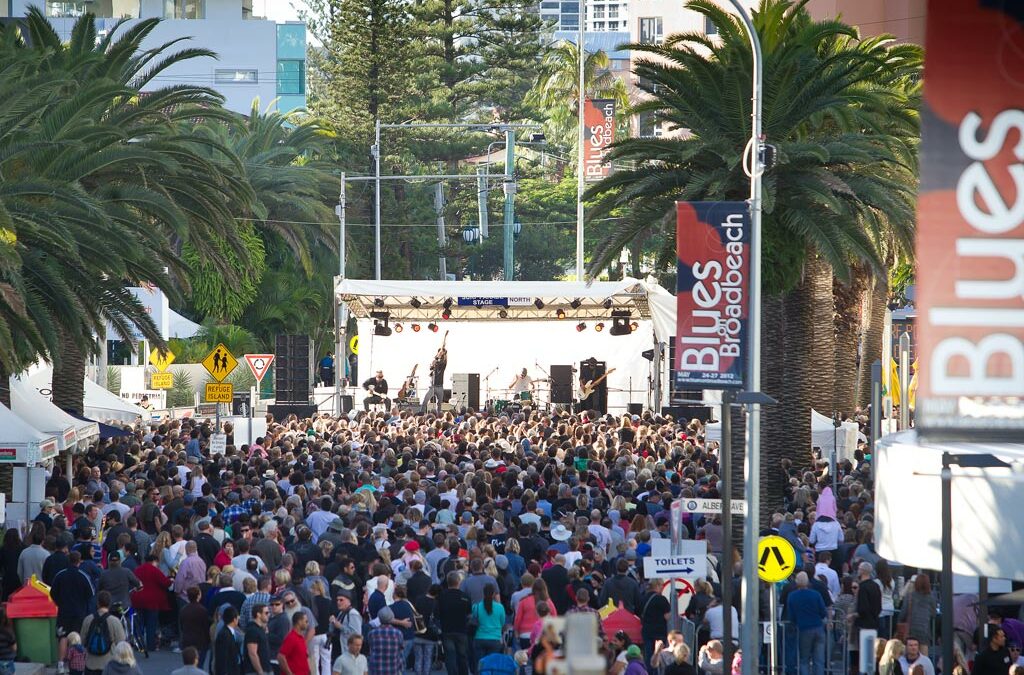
(466, 390)
(561, 385)
(293, 377)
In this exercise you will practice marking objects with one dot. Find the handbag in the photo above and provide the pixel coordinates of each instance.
(902, 631)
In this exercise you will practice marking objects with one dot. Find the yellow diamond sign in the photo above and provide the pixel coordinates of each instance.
(161, 361)
(219, 363)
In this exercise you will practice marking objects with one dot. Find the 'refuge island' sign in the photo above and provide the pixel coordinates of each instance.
(970, 240)
(712, 294)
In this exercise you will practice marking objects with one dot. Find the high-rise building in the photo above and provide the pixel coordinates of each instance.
(257, 58)
(601, 15)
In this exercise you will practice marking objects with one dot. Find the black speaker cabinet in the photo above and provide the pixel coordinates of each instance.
(561, 384)
(280, 411)
(293, 368)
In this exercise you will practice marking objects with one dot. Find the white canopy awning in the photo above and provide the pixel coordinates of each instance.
(32, 405)
(483, 300)
(100, 404)
(17, 437)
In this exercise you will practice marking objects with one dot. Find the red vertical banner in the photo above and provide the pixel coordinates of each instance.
(712, 294)
(598, 136)
(970, 240)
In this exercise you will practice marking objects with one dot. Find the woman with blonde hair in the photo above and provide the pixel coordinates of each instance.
(122, 661)
(889, 664)
(162, 551)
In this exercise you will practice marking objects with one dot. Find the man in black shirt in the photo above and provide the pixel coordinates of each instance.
(257, 645)
(453, 609)
(995, 660)
(206, 545)
(378, 388)
(869, 599)
(437, 367)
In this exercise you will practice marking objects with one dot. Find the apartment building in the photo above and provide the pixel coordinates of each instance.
(257, 58)
(601, 15)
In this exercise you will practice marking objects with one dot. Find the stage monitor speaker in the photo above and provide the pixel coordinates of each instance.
(685, 413)
(347, 403)
(598, 400)
(561, 384)
(293, 368)
(635, 408)
(280, 411)
(466, 390)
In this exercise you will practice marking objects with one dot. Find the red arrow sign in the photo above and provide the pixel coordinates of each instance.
(259, 364)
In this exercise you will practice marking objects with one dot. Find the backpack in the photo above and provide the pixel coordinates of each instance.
(97, 640)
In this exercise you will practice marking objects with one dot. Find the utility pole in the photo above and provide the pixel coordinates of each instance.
(510, 196)
(442, 241)
(376, 199)
(481, 200)
(340, 308)
(581, 50)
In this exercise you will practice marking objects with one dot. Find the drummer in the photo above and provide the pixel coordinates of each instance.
(522, 386)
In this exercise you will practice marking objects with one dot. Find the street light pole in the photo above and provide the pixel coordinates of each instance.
(340, 308)
(752, 468)
(376, 200)
(947, 563)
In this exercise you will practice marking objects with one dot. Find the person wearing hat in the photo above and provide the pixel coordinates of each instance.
(635, 661)
(387, 646)
(46, 513)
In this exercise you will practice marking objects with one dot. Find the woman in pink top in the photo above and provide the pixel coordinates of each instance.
(526, 612)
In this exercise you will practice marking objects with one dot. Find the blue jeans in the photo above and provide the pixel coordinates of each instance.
(149, 620)
(812, 651)
(456, 653)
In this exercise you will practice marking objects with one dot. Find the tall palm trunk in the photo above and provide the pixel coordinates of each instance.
(69, 375)
(5, 386)
(776, 428)
(871, 337)
(818, 278)
(848, 323)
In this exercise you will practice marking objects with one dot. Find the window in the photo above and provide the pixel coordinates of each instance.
(599, 25)
(613, 12)
(570, 21)
(291, 76)
(184, 9)
(649, 127)
(709, 27)
(650, 30)
(103, 9)
(236, 76)
(570, 8)
(549, 5)
(598, 13)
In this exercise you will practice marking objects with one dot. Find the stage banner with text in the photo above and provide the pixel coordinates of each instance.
(970, 237)
(598, 136)
(712, 294)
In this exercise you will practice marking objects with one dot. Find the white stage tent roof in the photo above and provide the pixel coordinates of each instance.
(30, 404)
(17, 435)
(99, 403)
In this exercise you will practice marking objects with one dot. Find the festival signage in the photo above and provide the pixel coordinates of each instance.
(598, 136)
(970, 238)
(712, 294)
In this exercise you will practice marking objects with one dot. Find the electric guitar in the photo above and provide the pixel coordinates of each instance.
(407, 386)
(590, 386)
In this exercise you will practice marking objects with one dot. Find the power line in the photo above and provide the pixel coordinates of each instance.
(434, 225)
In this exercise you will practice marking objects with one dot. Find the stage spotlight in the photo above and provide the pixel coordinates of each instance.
(447, 303)
(633, 326)
(415, 328)
(620, 323)
(398, 328)
(575, 304)
(415, 302)
(580, 327)
(432, 327)
(538, 303)
(381, 329)
(599, 327)
(503, 314)
(378, 302)
(446, 314)
(560, 314)
(607, 304)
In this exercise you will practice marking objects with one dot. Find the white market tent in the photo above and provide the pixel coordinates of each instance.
(823, 435)
(100, 404)
(988, 524)
(19, 440)
(530, 335)
(31, 405)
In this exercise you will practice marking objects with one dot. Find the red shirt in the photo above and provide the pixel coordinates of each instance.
(293, 649)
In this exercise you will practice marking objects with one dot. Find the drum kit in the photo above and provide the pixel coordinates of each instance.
(517, 401)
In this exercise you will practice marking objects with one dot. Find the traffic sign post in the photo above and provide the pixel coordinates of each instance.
(219, 363)
(259, 364)
(776, 560)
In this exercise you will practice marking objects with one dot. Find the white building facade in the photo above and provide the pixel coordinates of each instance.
(256, 58)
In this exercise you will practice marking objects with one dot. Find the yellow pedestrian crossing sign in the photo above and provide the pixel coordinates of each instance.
(776, 559)
(161, 361)
(219, 362)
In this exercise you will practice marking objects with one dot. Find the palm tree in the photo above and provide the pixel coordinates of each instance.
(843, 186)
(557, 89)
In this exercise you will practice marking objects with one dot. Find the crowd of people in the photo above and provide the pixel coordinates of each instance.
(383, 543)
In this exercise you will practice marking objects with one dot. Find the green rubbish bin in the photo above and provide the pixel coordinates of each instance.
(34, 616)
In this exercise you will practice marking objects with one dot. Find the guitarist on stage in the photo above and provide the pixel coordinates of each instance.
(437, 367)
(378, 388)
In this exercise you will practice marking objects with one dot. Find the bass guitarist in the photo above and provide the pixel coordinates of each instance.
(378, 388)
